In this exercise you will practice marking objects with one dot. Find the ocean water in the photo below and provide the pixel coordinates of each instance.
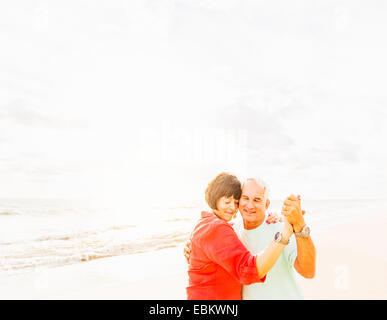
(49, 233)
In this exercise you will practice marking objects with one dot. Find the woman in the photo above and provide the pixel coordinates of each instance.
(219, 263)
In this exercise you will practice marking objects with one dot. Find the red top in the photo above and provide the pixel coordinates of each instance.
(219, 264)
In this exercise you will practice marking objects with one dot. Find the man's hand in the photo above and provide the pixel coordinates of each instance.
(187, 250)
(291, 209)
(273, 217)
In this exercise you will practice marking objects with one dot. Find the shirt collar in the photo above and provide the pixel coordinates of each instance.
(206, 214)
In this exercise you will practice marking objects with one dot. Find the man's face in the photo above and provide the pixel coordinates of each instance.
(253, 204)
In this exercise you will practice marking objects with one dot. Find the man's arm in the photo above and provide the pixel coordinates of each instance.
(305, 263)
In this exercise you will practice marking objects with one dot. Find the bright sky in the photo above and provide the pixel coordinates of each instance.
(146, 101)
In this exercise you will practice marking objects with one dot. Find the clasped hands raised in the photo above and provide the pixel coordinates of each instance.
(293, 215)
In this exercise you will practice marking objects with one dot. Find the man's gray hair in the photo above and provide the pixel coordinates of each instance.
(261, 183)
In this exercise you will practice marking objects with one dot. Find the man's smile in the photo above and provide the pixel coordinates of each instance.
(250, 212)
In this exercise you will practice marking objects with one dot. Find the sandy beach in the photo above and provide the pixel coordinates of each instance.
(351, 264)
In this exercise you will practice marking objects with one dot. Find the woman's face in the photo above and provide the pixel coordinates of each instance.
(226, 208)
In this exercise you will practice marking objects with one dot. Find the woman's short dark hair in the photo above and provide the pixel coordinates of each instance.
(224, 185)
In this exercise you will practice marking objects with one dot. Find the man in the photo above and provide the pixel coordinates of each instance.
(299, 254)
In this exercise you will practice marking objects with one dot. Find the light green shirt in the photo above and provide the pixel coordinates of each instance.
(280, 281)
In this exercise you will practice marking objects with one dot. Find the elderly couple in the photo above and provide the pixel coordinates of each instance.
(230, 261)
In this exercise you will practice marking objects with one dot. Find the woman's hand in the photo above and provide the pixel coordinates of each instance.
(287, 230)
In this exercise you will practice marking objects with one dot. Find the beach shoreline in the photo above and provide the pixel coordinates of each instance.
(350, 265)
